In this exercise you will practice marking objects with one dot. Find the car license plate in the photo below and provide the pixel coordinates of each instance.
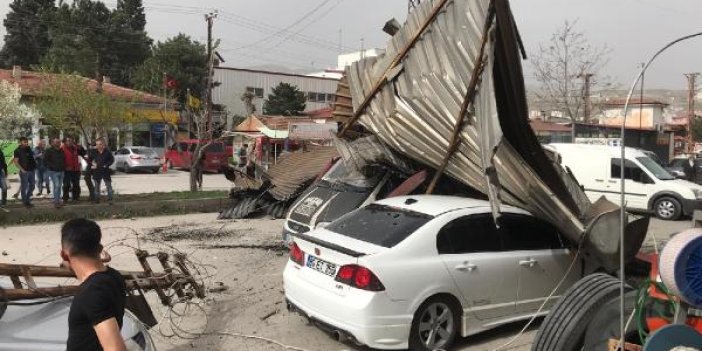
(321, 265)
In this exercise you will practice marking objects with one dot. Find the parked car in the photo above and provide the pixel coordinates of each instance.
(677, 168)
(338, 192)
(648, 186)
(137, 158)
(416, 272)
(180, 155)
(43, 325)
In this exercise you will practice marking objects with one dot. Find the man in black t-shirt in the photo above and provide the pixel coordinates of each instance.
(97, 310)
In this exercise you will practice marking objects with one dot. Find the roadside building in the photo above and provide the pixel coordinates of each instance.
(234, 82)
(268, 137)
(646, 113)
(550, 132)
(154, 119)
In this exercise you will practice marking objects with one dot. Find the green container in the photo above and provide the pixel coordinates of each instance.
(8, 149)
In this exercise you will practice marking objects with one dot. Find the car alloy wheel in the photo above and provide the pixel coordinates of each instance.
(667, 208)
(436, 326)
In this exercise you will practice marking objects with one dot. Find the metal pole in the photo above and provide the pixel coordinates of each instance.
(622, 210)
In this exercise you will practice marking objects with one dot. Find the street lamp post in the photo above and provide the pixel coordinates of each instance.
(621, 179)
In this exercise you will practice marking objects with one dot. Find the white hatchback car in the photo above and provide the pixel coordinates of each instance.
(415, 272)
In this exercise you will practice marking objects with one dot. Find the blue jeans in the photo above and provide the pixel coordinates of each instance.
(3, 189)
(108, 185)
(26, 186)
(42, 179)
(57, 182)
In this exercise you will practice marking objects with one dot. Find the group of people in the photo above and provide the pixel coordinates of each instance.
(59, 165)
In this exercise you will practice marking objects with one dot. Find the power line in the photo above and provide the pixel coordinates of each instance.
(283, 30)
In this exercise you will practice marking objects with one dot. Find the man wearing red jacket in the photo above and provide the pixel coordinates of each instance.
(71, 179)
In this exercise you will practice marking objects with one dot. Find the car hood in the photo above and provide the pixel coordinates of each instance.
(44, 326)
(683, 184)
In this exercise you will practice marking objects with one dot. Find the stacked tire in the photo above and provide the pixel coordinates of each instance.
(566, 326)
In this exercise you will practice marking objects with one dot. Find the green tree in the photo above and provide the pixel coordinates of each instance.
(27, 38)
(286, 100)
(89, 39)
(74, 104)
(182, 59)
(130, 45)
(80, 36)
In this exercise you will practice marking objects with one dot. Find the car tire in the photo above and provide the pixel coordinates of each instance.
(426, 324)
(605, 324)
(154, 171)
(127, 169)
(169, 165)
(564, 327)
(667, 208)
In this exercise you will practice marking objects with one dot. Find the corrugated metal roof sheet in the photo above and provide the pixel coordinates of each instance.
(295, 171)
(421, 95)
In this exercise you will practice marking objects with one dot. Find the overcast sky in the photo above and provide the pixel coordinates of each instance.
(306, 34)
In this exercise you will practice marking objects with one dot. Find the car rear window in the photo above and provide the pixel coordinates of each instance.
(380, 225)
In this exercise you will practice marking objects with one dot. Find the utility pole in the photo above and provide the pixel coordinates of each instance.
(210, 70)
(690, 109)
(411, 4)
(586, 96)
(641, 97)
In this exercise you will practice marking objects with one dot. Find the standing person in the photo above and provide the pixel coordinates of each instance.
(690, 169)
(54, 160)
(42, 176)
(87, 155)
(101, 162)
(24, 160)
(3, 180)
(71, 180)
(97, 311)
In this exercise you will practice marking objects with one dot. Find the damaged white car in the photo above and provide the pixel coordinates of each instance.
(416, 272)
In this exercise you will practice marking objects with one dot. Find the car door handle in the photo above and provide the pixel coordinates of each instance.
(466, 266)
(612, 181)
(599, 180)
(528, 263)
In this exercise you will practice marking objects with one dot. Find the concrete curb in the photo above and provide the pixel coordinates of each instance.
(22, 216)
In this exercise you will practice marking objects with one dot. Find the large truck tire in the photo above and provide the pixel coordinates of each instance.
(605, 324)
(564, 327)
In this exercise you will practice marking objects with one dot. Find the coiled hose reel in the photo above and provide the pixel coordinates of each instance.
(680, 266)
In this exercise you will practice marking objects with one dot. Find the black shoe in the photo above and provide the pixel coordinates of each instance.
(28, 205)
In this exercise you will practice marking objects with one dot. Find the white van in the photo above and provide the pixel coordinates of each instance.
(648, 187)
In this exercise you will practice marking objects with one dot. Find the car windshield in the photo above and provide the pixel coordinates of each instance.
(380, 225)
(653, 167)
(146, 152)
(340, 174)
(678, 162)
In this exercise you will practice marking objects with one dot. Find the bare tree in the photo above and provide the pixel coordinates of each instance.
(560, 66)
(248, 99)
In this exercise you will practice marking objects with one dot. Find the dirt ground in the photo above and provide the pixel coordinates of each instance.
(246, 256)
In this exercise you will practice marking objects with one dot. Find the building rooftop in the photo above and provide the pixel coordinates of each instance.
(33, 83)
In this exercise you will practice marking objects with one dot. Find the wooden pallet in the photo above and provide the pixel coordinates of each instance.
(175, 277)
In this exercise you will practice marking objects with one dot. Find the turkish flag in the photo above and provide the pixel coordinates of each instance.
(170, 83)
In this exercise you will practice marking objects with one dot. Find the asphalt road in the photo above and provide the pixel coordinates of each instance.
(139, 183)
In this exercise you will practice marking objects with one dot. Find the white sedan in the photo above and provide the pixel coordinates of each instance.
(416, 272)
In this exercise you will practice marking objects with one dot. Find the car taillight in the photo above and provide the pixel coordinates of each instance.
(359, 277)
(135, 157)
(296, 254)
